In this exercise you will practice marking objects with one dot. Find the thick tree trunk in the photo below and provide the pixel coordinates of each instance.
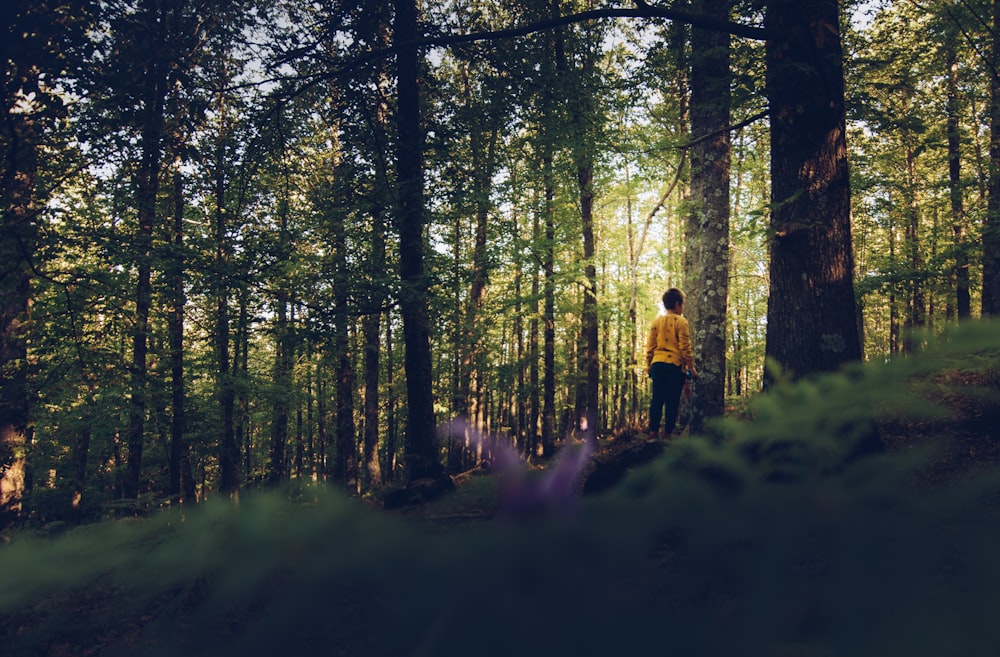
(813, 320)
(17, 245)
(422, 459)
(710, 171)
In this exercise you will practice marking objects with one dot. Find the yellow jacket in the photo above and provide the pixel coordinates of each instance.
(670, 342)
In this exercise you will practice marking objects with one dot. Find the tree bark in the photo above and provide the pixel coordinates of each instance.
(17, 247)
(422, 459)
(963, 301)
(282, 369)
(175, 330)
(590, 366)
(710, 172)
(813, 316)
(229, 457)
(147, 187)
(916, 311)
(371, 324)
(991, 228)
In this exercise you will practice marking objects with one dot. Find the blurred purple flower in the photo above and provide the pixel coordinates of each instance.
(524, 494)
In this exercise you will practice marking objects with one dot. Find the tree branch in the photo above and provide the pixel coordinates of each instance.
(729, 128)
(643, 10)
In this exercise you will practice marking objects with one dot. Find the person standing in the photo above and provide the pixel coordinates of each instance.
(670, 361)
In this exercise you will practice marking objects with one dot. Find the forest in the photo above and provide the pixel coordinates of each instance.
(266, 266)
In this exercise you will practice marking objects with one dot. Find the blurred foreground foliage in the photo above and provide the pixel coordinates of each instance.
(766, 538)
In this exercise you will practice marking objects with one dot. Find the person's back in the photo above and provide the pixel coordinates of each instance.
(669, 359)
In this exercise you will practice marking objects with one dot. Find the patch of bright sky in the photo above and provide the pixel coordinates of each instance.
(865, 12)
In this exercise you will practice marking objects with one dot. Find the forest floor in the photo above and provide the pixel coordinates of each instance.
(965, 439)
(92, 621)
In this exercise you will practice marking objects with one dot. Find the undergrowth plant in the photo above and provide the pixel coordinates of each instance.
(772, 536)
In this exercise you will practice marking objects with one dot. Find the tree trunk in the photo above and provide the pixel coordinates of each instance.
(991, 228)
(175, 330)
(389, 466)
(345, 457)
(963, 302)
(590, 367)
(17, 246)
(813, 322)
(229, 457)
(372, 331)
(916, 310)
(535, 390)
(242, 364)
(147, 187)
(549, 316)
(372, 321)
(710, 171)
(282, 369)
(422, 460)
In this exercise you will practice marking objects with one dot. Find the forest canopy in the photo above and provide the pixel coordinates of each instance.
(250, 243)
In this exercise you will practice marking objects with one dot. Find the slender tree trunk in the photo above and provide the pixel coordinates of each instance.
(460, 362)
(916, 310)
(147, 187)
(345, 471)
(483, 139)
(710, 171)
(813, 320)
(422, 459)
(282, 371)
(175, 329)
(588, 418)
(242, 425)
(310, 440)
(549, 316)
(322, 435)
(963, 302)
(991, 228)
(392, 430)
(229, 457)
(520, 399)
(894, 323)
(372, 331)
(534, 325)
(345, 453)
(300, 446)
(632, 386)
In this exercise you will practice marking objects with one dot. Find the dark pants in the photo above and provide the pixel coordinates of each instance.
(668, 383)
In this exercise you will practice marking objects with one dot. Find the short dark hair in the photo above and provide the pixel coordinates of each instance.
(671, 297)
